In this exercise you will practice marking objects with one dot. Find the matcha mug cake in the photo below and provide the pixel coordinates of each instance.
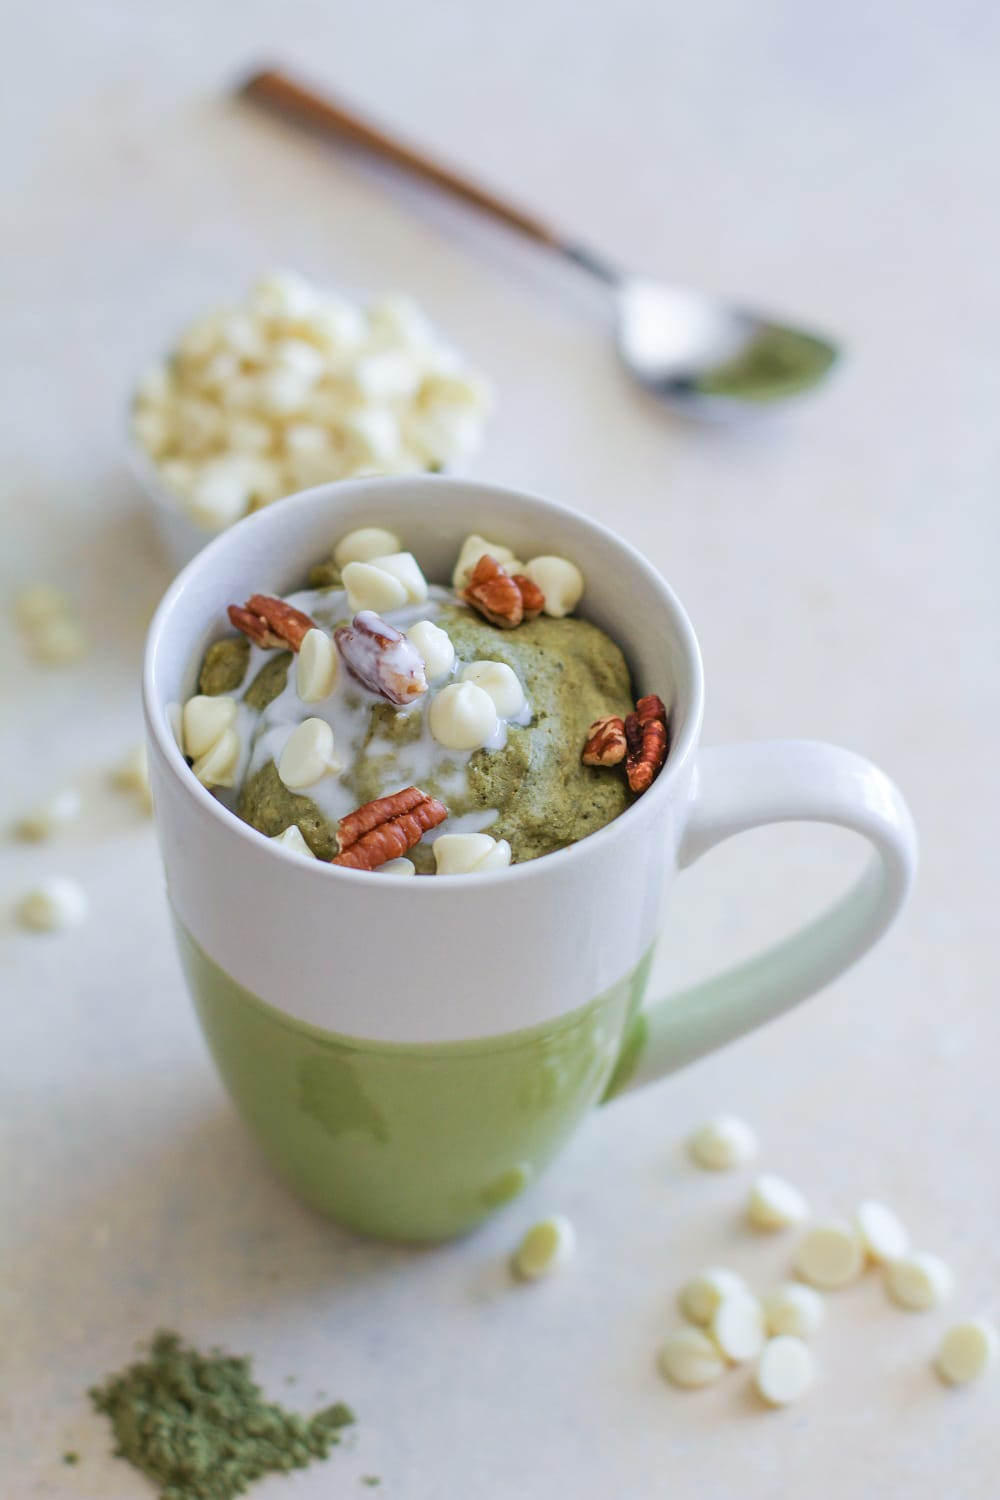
(425, 757)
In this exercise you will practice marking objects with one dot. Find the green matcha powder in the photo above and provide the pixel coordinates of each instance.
(199, 1427)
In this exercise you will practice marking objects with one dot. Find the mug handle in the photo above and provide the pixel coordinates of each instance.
(738, 787)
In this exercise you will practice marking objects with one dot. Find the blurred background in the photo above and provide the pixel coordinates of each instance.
(838, 559)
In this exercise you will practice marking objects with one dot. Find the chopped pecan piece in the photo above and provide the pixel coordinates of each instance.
(646, 737)
(532, 598)
(379, 657)
(606, 743)
(501, 599)
(386, 828)
(271, 622)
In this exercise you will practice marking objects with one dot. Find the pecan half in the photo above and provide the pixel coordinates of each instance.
(271, 622)
(386, 828)
(500, 598)
(381, 658)
(606, 743)
(646, 737)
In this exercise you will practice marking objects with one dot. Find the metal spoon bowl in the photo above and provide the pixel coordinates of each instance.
(700, 356)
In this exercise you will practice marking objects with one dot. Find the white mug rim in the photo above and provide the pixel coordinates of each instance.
(679, 756)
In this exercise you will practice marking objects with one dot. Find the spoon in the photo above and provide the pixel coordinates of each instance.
(695, 353)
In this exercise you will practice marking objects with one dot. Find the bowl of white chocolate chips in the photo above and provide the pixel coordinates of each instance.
(291, 387)
(382, 723)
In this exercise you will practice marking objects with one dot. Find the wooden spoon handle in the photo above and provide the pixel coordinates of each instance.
(277, 92)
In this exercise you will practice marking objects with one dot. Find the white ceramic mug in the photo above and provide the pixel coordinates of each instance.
(411, 1052)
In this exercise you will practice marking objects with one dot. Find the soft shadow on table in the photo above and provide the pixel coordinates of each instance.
(187, 1230)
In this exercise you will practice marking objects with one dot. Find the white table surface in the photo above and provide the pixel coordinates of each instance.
(840, 563)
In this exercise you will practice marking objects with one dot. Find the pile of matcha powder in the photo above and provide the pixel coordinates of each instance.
(199, 1427)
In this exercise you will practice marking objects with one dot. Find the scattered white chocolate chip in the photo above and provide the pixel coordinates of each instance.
(501, 682)
(690, 1359)
(58, 640)
(967, 1351)
(132, 775)
(883, 1236)
(738, 1326)
(39, 602)
(774, 1203)
(470, 853)
(53, 905)
(723, 1143)
(217, 767)
(364, 544)
(463, 717)
(49, 815)
(400, 866)
(785, 1371)
(794, 1309)
(205, 721)
(473, 548)
(559, 580)
(545, 1247)
(919, 1281)
(291, 839)
(699, 1297)
(369, 587)
(830, 1255)
(434, 646)
(308, 755)
(403, 566)
(315, 667)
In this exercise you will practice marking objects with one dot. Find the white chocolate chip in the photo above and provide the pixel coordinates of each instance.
(373, 435)
(434, 646)
(315, 667)
(473, 548)
(794, 1309)
(502, 684)
(282, 296)
(774, 1203)
(785, 1371)
(49, 815)
(53, 905)
(470, 853)
(291, 839)
(302, 359)
(723, 1143)
(39, 602)
(463, 717)
(369, 587)
(218, 495)
(882, 1234)
(364, 544)
(967, 1351)
(919, 1281)
(58, 640)
(217, 767)
(308, 755)
(404, 567)
(830, 1255)
(282, 392)
(205, 720)
(132, 775)
(690, 1359)
(738, 1326)
(545, 1247)
(397, 867)
(392, 375)
(699, 1297)
(559, 580)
